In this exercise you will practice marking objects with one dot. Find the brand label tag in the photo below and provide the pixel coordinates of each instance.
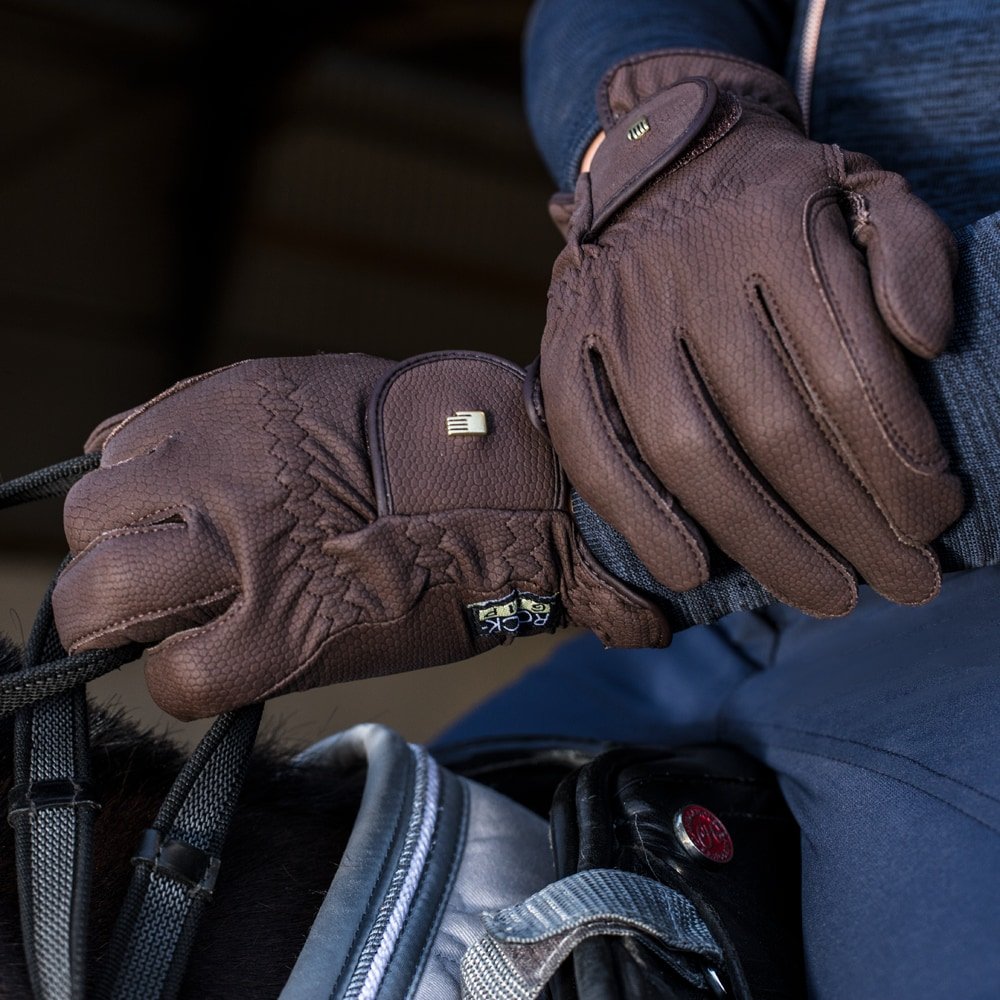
(517, 613)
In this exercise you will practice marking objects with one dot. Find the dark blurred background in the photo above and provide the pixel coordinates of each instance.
(185, 184)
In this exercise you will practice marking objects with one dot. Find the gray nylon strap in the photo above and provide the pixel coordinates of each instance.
(53, 845)
(526, 943)
(156, 927)
(53, 838)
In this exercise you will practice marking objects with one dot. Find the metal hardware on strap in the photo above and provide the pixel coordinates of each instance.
(53, 845)
(178, 860)
(52, 793)
(154, 935)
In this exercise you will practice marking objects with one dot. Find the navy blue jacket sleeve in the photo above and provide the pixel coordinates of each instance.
(570, 44)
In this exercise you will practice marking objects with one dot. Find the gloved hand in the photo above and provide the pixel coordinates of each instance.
(723, 333)
(286, 523)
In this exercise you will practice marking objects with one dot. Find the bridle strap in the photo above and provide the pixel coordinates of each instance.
(45, 484)
(176, 865)
(44, 680)
(52, 809)
(52, 812)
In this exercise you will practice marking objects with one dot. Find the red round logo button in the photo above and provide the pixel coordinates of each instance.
(703, 835)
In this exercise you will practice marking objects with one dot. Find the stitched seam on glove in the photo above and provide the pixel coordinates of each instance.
(129, 530)
(156, 613)
(664, 505)
(799, 380)
(300, 536)
(920, 461)
(693, 379)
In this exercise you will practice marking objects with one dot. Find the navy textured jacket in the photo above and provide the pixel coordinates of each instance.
(913, 84)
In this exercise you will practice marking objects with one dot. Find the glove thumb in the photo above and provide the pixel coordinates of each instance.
(911, 255)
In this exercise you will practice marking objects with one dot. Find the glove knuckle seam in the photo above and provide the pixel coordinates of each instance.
(173, 390)
(665, 508)
(165, 440)
(799, 380)
(912, 456)
(148, 615)
(299, 536)
(758, 488)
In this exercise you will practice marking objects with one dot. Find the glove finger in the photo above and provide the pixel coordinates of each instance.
(115, 496)
(859, 385)
(141, 584)
(144, 428)
(234, 660)
(776, 428)
(601, 460)
(704, 467)
(100, 434)
(394, 596)
(911, 257)
(253, 651)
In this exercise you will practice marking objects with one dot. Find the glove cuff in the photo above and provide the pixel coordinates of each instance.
(618, 615)
(638, 78)
(687, 99)
(451, 441)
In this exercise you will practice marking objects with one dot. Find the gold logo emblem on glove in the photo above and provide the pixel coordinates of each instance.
(467, 422)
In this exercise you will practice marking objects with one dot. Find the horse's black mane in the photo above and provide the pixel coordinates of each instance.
(286, 840)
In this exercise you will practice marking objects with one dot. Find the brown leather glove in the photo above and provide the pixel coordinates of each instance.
(723, 329)
(286, 523)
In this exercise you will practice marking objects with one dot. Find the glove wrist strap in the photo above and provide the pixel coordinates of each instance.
(638, 78)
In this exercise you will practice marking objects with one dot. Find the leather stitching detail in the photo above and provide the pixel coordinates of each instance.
(172, 391)
(913, 456)
(122, 533)
(781, 350)
(788, 521)
(150, 615)
(662, 504)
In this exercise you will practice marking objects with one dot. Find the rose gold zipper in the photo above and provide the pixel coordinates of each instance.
(807, 57)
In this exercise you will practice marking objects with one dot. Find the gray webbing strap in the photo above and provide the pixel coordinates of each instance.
(177, 862)
(52, 812)
(526, 943)
(51, 806)
(63, 673)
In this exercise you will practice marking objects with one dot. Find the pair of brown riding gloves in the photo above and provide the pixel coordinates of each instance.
(724, 357)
